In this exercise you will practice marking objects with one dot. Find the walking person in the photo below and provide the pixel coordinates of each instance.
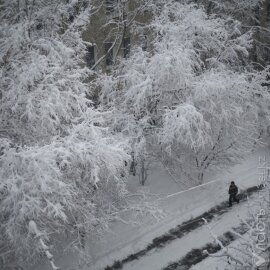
(233, 191)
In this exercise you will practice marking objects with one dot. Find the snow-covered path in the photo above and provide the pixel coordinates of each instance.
(126, 240)
(178, 248)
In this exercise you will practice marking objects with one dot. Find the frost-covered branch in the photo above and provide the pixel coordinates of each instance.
(224, 250)
(37, 234)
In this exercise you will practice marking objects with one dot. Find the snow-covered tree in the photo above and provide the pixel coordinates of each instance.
(62, 170)
(193, 100)
(117, 17)
(253, 15)
(247, 10)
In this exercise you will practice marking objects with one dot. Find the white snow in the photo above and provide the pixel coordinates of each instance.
(223, 263)
(197, 239)
(125, 239)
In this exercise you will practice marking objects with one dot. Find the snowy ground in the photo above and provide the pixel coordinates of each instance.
(217, 263)
(125, 239)
(197, 239)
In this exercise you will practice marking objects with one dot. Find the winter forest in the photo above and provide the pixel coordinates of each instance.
(122, 158)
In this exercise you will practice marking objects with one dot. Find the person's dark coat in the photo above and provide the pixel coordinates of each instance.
(233, 190)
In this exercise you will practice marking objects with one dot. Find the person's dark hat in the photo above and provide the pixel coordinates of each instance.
(232, 183)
